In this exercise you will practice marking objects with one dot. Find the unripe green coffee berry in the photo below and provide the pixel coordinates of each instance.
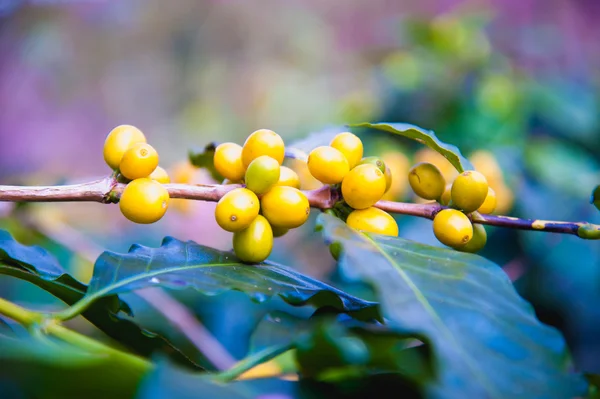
(469, 190)
(262, 174)
(426, 180)
(476, 243)
(255, 243)
(452, 228)
(373, 161)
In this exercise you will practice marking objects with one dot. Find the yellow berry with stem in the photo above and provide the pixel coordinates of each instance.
(160, 175)
(426, 180)
(144, 201)
(287, 177)
(255, 243)
(477, 242)
(350, 145)
(373, 220)
(452, 227)
(328, 165)
(373, 161)
(118, 141)
(140, 160)
(262, 174)
(228, 161)
(363, 186)
(285, 207)
(469, 190)
(263, 142)
(237, 209)
(489, 204)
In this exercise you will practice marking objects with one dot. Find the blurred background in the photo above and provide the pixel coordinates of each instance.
(515, 84)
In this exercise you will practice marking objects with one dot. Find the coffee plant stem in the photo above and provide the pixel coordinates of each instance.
(108, 190)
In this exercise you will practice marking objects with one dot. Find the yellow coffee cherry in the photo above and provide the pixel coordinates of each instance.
(263, 142)
(254, 243)
(476, 243)
(373, 220)
(237, 209)
(118, 141)
(285, 207)
(447, 195)
(144, 201)
(228, 161)
(262, 174)
(428, 155)
(160, 175)
(328, 165)
(489, 204)
(399, 165)
(349, 145)
(388, 178)
(307, 181)
(139, 161)
(469, 190)
(505, 199)
(427, 181)
(485, 162)
(452, 227)
(363, 186)
(373, 161)
(287, 177)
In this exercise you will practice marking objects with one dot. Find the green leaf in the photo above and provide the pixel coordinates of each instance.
(37, 266)
(48, 369)
(427, 137)
(204, 159)
(487, 340)
(178, 265)
(595, 199)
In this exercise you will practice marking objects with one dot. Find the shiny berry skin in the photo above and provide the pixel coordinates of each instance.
(118, 141)
(373, 161)
(262, 174)
(373, 220)
(228, 161)
(349, 145)
(287, 177)
(237, 209)
(363, 186)
(469, 190)
(139, 161)
(452, 227)
(388, 178)
(426, 180)
(328, 165)
(255, 243)
(476, 243)
(285, 207)
(144, 201)
(263, 142)
(160, 175)
(489, 204)
(446, 196)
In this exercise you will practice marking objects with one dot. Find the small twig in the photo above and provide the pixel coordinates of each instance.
(107, 190)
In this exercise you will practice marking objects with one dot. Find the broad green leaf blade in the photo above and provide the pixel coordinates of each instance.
(595, 199)
(204, 159)
(178, 265)
(486, 338)
(427, 137)
(37, 266)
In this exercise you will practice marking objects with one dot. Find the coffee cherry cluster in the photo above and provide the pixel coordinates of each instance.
(144, 199)
(363, 181)
(270, 203)
(469, 192)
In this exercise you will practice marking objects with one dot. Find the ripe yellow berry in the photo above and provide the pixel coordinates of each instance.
(328, 165)
(427, 181)
(373, 220)
(349, 145)
(144, 201)
(254, 244)
(363, 186)
(388, 178)
(399, 165)
(452, 227)
(469, 190)
(476, 243)
(139, 161)
(428, 155)
(446, 196)
(307, 181)
(374, 161)
(237, 209)
(262, 174)
(263, 142)
(118, 141)
(489, 204)
(486, 163)
(287, 177)
(228, 161)
(160, 175)
(285, 207)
